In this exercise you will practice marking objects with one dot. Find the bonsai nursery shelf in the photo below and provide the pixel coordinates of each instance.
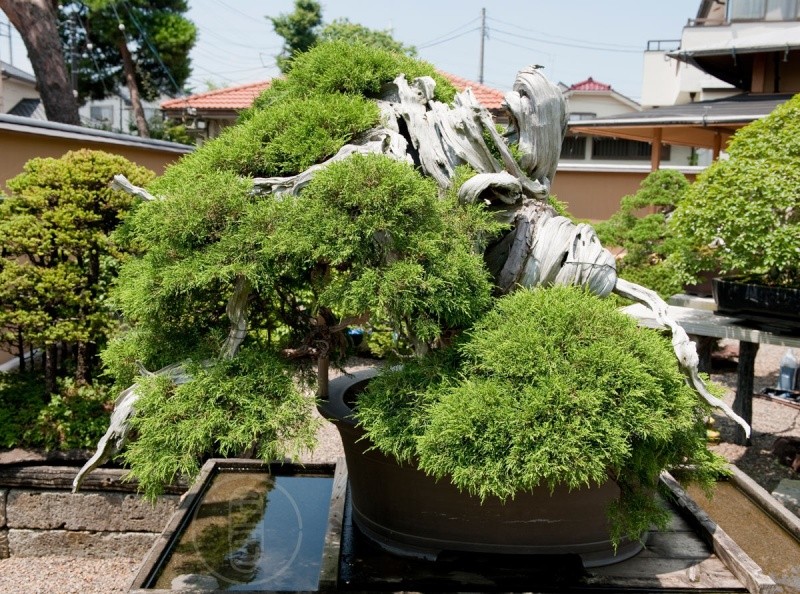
(247, 526)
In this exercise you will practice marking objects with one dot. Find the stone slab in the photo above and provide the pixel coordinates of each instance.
(3, 495)
(788, 493)
(102, 512)
(97, 545)
(4, 543)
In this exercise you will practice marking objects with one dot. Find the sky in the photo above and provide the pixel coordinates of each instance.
(572, 39)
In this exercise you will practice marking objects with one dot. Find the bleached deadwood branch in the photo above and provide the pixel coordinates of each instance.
(120, 182)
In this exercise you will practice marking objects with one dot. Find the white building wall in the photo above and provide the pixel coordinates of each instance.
(14, 91)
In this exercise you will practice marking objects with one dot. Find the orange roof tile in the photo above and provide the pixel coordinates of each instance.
(487, 96)
(590, 85)
(236, 98)
(242, 96)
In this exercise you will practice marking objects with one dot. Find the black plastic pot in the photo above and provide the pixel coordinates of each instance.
(770, 307)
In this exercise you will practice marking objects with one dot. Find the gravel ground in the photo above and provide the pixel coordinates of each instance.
(57, 575)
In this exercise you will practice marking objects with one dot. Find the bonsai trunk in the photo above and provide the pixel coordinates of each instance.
(323, 372)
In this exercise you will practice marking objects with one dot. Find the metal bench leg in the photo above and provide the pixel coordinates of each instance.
(743, 403)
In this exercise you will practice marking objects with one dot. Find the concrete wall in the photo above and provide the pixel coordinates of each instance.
(22, 139)
(37, 523)
(594, 193)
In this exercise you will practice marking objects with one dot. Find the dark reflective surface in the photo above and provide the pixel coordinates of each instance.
(252, 531)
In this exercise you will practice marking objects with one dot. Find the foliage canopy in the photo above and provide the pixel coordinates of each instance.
(742, 215)
(552, 386)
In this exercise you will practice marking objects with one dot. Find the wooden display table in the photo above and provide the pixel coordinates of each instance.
(704, 322)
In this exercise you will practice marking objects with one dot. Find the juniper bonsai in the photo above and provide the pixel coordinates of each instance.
(417, 215)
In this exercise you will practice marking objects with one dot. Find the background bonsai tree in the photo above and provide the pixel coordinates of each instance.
(58, 260)
(646, 237)
(742, 214)
(351, 194)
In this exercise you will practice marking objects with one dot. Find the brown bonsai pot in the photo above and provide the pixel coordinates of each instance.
(409, 513)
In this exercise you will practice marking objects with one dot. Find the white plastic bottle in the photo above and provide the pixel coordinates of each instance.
(788, 372)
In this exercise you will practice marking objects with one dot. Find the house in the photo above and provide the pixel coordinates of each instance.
(18, 94)
(205, 115)
(115, 112)
(595, 172)
(735, 62)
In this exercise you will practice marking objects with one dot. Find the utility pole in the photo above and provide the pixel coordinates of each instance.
(483, 36)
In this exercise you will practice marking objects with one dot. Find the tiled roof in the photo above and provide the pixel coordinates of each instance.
(241, 97)
(590, 85)
(487, 96)
(235, 98)
(29, 108)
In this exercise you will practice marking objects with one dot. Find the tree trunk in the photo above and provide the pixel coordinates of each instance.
(50, 369)
(84, 362)
(37, 23)
(21, 347)
(130, 78)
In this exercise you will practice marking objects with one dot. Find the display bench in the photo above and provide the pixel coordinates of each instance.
(699, 319)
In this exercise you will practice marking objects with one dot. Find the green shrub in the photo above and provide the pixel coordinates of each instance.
(248, 404)
(645, 237)
(76, 416)
(351, 68)
(553, 386)
(742, 215)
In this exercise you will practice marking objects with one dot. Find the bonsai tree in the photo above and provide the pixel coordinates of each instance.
(58, 259)
(359, 191)
(647, 240)
(742, 214)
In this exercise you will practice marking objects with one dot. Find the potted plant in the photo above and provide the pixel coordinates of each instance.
(742, 217)
(360, 191)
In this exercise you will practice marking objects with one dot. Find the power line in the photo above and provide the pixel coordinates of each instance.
(229, 7)
(443, 35)
(146, 39)
(448, 39)
(572, 45)
(597, 43)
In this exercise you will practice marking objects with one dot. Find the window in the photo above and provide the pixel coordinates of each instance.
(581, 115)
(763, 10)
(102, 113)
(612, 149)
(573, 147)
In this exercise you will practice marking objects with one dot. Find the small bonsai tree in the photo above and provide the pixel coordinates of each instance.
(742, 214)
(58, 259)
(646, 239)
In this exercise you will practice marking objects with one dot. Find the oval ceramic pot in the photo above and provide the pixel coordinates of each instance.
(774, 308)
(407, 512)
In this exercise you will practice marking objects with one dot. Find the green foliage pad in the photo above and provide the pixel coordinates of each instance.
(552, 387)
